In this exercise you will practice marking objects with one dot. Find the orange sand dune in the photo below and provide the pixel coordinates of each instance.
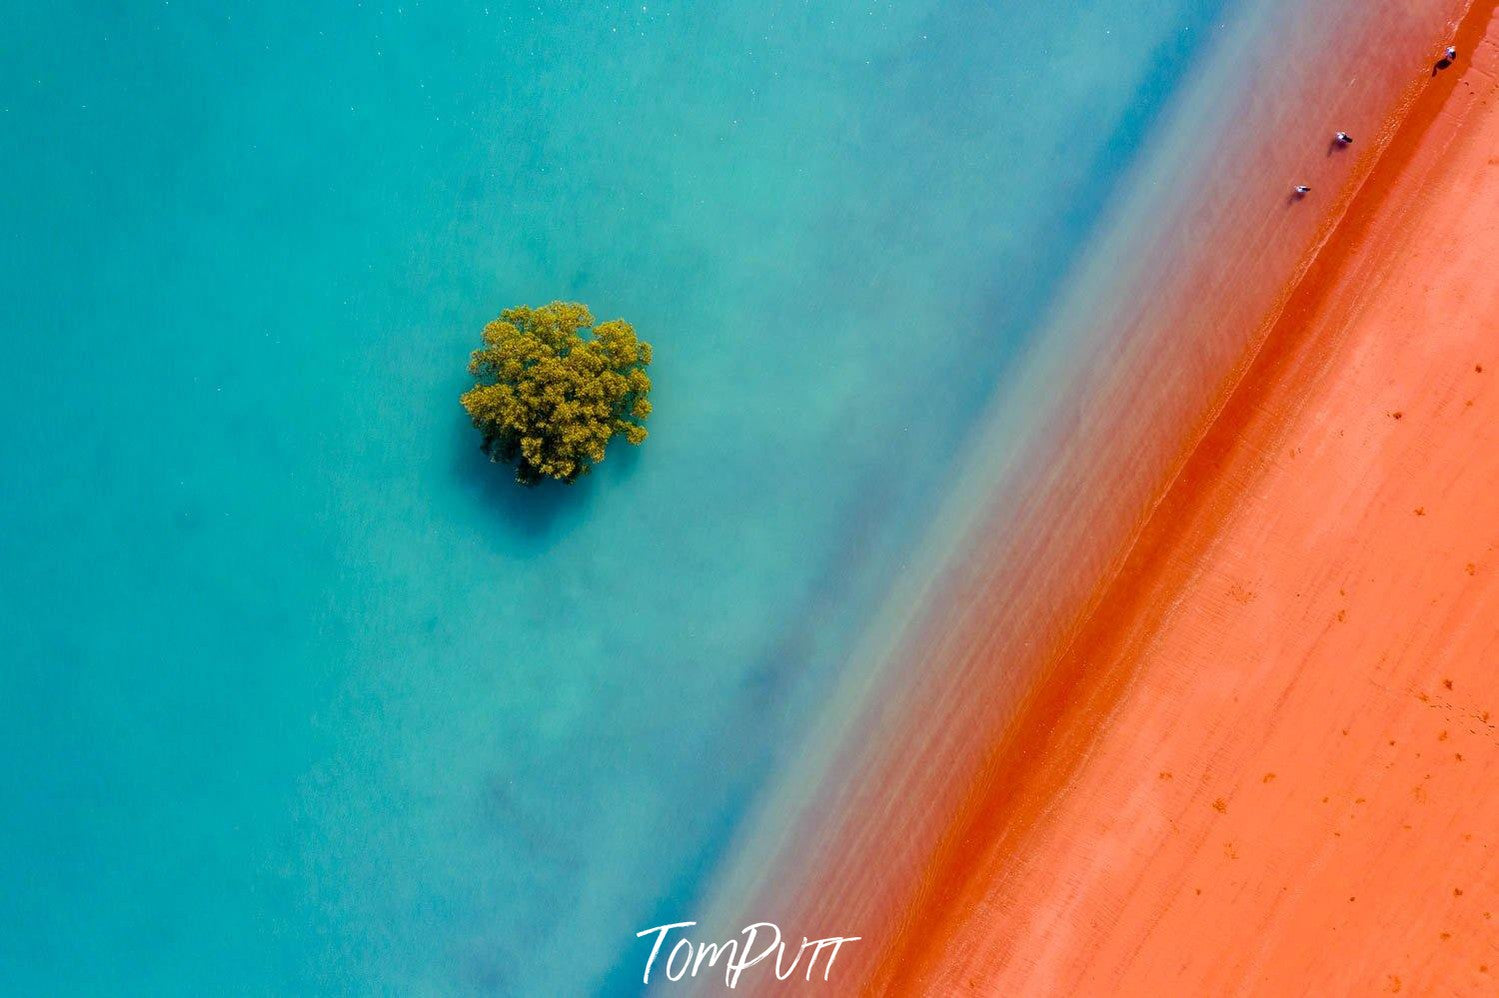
(1272, 759)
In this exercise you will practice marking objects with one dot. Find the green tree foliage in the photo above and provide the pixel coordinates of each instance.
(549, 399)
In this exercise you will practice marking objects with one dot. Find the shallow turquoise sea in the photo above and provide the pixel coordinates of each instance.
(300, 694)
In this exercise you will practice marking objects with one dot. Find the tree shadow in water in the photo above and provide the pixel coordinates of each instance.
(528, 519)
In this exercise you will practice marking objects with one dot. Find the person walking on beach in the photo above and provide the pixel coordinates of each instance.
(1343, 139)
(1451, 53)
(1302, 190)
(1446, 60)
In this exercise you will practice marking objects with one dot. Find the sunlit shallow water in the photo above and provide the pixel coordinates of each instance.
(303, 694)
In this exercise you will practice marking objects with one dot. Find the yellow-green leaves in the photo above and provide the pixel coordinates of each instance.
(550, 399)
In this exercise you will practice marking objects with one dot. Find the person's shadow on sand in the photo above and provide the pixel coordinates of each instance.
(1440, 65)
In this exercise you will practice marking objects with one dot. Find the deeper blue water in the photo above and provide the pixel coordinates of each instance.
(299, 693)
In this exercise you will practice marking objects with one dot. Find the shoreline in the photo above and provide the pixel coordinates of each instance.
(864, 828)
(1044, 905)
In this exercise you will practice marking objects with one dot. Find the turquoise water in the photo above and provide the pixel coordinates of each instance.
(303, 695)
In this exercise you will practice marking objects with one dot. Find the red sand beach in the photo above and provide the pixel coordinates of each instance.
(1076, 727)
(1265, 765)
